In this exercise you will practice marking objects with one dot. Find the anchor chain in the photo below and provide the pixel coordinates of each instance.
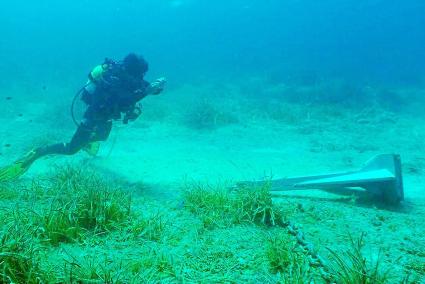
(315, 259)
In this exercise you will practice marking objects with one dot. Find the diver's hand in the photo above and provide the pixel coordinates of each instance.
(157, 86)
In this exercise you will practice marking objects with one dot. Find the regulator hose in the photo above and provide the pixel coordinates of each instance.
(77, 95)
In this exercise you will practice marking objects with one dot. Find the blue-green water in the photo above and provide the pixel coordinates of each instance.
(367, 41)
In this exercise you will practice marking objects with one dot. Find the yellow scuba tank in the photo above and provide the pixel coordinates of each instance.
(95, 76)
(97, 73)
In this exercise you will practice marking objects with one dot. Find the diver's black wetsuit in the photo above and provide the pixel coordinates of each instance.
(115, 94)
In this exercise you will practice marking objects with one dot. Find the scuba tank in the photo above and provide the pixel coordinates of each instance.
(95, 77)
(86, 93)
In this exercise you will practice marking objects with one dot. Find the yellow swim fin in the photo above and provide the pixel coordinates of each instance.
(92, 148)
(18, 168)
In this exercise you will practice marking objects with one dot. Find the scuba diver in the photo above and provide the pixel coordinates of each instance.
(112, 92)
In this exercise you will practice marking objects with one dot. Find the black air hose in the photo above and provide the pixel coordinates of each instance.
(73, 103)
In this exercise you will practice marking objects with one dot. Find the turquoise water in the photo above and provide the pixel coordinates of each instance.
(372, 41)
(255, 89)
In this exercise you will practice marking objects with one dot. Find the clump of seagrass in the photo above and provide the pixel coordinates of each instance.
(417, 266)
(214, 205)
(92, 269)
(155, 263)
(150, 227)
(285, 258)
(352, 267)
(81, 201)
(19, 259)
(280, 252)
(58, 223)
(8, 191)
(204, 115)
(256, 204)
(219, 206)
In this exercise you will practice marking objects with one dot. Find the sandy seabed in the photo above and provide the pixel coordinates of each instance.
(211, 140)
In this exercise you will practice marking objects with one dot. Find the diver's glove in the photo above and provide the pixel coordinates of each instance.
(133, 114)
(157, 86)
